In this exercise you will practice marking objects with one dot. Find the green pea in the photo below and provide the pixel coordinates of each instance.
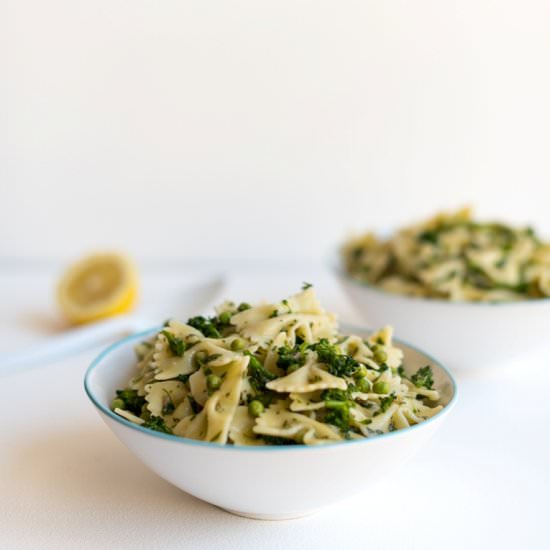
(200, 357)
(118, 404)
(238, 344)
(361, 372)
(380, 356)
(213, 382)
(363, 385)
(255, 408)
(381, 387)
(225, 317)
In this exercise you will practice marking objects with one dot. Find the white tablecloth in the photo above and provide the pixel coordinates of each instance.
(66, 482)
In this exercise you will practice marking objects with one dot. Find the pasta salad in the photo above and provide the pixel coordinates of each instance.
(453, 257)
(273, 374)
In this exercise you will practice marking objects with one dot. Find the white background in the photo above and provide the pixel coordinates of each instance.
(260, 130)
(246, 129)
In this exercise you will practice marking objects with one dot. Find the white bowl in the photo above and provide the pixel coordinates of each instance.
(271, 482)
(464, 335)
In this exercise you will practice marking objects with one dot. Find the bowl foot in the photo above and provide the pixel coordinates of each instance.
(272, 517)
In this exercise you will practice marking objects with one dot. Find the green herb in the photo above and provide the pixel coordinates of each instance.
(290, 359)
(183, 378)
(157, 423)
(423, 378)
(243, 306)
(177, 345)
(274, 440)
(132, 401)
(385, 402)
(430, 237)
(206, 326)
(259, 375)
(338, 364)
(168, 406)
(338, 405)
(196, 407)
(338, 414)
(305, 286)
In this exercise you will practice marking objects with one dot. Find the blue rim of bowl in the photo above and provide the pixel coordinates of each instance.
(337, 267)
(259, 448)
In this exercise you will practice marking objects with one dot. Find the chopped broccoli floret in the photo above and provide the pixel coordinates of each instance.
(288, 357)
(204, 325)
(132, 401)
(423, 378)
(385, 402)
(177, 345)
(338, 405)
(335, 395)
(429, 237)
(338, 364)
(274, 440)
(157, 423)
(259, 375)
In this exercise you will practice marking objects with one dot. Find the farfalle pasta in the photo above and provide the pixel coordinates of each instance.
(453, 257)
(273, 374)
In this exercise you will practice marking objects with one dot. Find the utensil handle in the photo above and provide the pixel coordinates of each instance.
(75, 340)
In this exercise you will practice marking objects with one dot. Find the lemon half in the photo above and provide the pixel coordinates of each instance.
(98, 286)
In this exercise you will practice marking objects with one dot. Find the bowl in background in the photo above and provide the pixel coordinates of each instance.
(464, 335)
(269, 482)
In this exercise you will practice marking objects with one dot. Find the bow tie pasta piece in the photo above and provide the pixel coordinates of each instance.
(213, 422)
(356, 348)
(129, 416)
(163, 397)
(170, 358)
(192, 427)
(241, 429)
(299, 316)
(275, 422)
(306, 379)
(306, 401)
(222, 404)
(308, 328)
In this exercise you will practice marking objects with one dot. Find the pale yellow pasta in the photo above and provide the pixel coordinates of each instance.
(454, 257)
(273, 374)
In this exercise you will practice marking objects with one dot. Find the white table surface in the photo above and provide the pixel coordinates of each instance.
(66, 482)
